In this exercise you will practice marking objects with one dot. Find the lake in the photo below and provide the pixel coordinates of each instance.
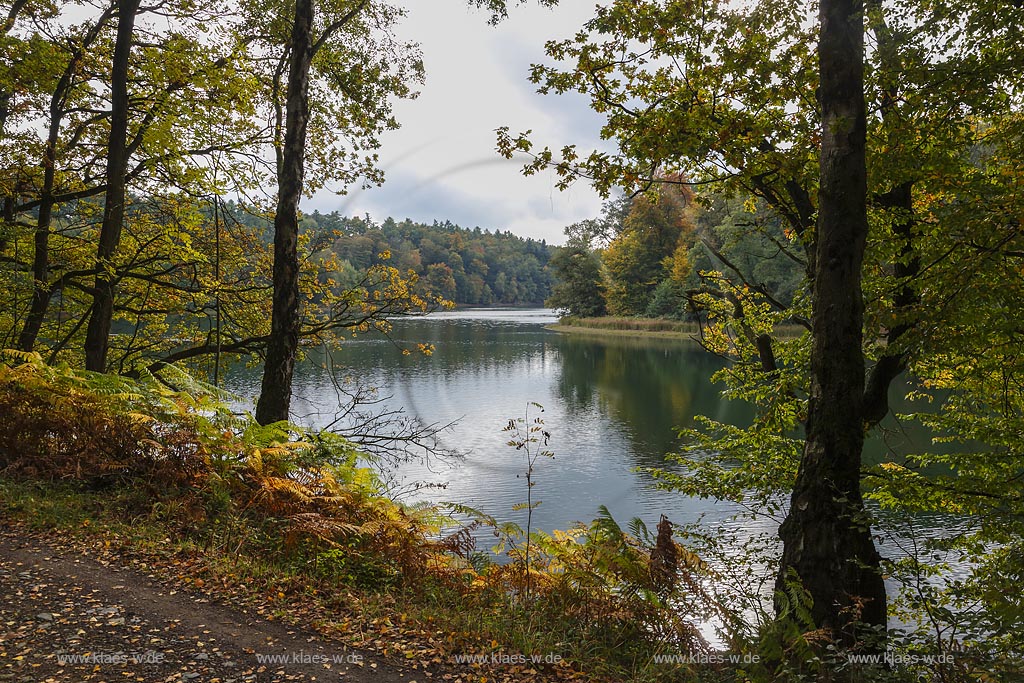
(611, 405)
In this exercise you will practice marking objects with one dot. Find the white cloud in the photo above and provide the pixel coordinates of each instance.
(442, 163)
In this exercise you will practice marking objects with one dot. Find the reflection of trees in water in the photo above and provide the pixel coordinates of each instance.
(649, 387)
(462, 347)
(646, 388)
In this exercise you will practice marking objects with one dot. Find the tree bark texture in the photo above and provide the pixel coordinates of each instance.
(276, 390)
(97, 336)
(827, 536)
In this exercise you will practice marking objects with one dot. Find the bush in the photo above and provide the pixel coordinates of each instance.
(198, 463)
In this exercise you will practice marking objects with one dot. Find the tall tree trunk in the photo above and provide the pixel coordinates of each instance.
(7, 210)
(97, 336)
(899, 202)
(5, 109)
(826, 535)
(276, 391)
(41, 291)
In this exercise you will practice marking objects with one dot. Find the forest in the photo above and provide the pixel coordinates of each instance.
(644, 256)
(828, 191)
(466, 266)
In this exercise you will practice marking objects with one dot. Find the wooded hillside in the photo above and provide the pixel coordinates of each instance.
(467, 266)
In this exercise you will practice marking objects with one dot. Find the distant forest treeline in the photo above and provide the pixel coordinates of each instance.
(467, 266)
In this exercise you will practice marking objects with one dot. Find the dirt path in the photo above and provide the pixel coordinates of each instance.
(64, 617)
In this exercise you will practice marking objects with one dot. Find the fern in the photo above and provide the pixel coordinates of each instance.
(791, 637)
(20, 356)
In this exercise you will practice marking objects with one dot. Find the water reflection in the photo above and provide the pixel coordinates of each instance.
(647, 388)
(611, 403)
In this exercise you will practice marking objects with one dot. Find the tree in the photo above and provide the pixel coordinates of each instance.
(727, 101)
(98, 331)
(275, 394)
(303, 47)
(578, 290)
(439, 281)
(745, 239)
(827, 542)
(668, 300)
(187, 274)
(62, 99)
(641, 254)
(169, 139)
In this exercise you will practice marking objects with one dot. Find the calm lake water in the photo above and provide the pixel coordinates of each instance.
(611, 405)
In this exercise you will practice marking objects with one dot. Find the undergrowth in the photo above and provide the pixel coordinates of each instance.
(161, 463)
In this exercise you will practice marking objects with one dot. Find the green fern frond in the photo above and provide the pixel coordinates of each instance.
(21, 356)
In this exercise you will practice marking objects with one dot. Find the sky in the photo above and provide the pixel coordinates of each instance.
(442, 164)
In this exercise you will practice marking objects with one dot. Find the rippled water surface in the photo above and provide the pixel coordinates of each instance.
(611, 404)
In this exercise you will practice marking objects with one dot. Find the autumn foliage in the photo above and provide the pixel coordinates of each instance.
(309, 502)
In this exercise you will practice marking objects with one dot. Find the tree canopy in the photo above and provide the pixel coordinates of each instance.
(731, 96)
(202, 99)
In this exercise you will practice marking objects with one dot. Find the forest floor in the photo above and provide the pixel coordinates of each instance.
(90, 594)
(72, 616)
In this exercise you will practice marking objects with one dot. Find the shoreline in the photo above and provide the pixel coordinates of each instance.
(646, 328)
(617, 332)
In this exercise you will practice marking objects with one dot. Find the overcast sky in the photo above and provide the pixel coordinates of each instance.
(441, 164)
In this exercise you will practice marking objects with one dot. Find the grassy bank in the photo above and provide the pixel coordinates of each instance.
(627, 327)
(657, 328)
